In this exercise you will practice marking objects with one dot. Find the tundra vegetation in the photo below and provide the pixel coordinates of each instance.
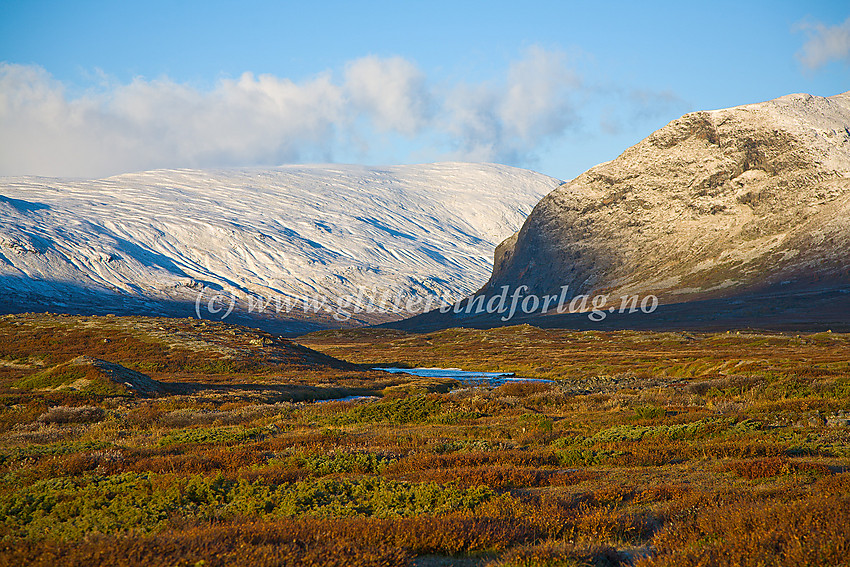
(197, 443)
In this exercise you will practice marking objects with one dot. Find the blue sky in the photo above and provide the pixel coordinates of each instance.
(98, 88)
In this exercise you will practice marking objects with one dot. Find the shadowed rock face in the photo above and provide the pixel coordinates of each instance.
(712, 205)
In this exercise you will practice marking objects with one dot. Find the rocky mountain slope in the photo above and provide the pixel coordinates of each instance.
(170, 242)
(745, 202)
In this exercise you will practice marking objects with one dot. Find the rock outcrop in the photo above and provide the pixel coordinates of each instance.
(91, 375)
(134, 382)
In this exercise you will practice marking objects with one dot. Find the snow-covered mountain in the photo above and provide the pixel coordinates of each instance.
(156, 241)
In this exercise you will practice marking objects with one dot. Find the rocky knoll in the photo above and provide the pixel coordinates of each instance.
(719, 204)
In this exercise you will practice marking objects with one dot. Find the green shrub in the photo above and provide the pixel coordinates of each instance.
(649, 412)
(356, 462)
(12, 454)
(703, 428)
(71, 508)
(412, 409)
(581, 457)
(373, 496)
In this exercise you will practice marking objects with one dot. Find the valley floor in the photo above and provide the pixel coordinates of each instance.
(641, 448)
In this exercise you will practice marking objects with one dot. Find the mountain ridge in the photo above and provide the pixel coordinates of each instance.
(155, 241)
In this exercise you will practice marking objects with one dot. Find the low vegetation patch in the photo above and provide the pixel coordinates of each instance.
(643, 449)
(412, 409)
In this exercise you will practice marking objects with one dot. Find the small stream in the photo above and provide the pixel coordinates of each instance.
(466, 377)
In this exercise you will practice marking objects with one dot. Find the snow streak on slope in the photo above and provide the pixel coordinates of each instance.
(331, 230)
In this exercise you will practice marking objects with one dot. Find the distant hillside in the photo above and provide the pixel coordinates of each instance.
(159, 344)
(729, 217)
(153, 242)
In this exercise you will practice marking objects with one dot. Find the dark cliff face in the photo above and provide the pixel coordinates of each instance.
(714, 202)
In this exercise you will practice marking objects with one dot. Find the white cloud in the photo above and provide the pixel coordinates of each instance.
(824, 44)
(152, 124)
(268, 120)
(392, 91)
(537, 102)
(508, 121)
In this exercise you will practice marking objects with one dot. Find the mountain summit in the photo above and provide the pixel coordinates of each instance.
(729, 216)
